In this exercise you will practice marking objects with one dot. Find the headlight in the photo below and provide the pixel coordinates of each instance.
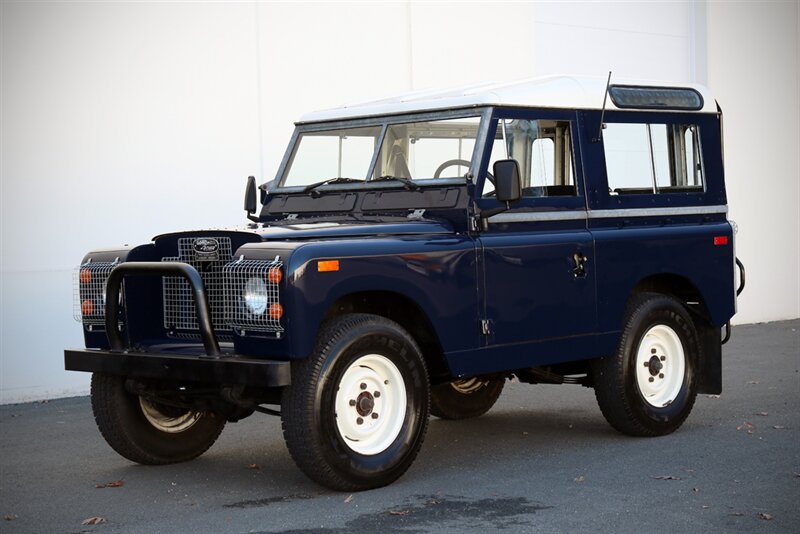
(255, 296)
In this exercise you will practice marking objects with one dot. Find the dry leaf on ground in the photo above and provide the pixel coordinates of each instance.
(666, 477)
(763, 414)
(779, 427)
(254, 466)
(114, 484)
(10, 517)
(580, 479)
(399, 512)
(97, 520)
(765, 516)
(348, 499)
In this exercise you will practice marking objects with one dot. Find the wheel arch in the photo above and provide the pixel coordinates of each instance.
(709, 337)
(404, 311)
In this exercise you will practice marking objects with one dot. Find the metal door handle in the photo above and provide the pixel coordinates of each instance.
(580, 264)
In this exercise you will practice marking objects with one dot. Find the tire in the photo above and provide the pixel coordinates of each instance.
(146, 432)
(649, 386)
(463, 399)
(356, 412)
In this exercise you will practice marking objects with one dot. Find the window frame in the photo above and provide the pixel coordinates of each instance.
(708, 126)
(482, 113)
(566, 202)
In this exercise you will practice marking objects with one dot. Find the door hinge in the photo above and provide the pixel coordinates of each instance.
(486, 327)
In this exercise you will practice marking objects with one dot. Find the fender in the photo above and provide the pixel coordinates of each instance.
(437, 272)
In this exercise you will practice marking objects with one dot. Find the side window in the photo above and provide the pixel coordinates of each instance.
(652, 158)
(543, 149)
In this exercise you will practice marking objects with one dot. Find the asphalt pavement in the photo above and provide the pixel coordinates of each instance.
(542, 460)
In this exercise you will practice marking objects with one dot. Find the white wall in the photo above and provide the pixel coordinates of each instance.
(121, 121)
(753, 67)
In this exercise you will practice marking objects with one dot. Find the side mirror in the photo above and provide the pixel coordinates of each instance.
(507, 185)
(250, 196)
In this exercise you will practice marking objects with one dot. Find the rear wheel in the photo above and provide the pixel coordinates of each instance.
(463, 399)
(649, 386)
(355, 414)
(147, 432)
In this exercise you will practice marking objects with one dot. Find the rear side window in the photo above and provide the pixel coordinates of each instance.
(652, 158)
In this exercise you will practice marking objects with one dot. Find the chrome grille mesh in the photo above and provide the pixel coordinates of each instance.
(256, 272)
(89, 291)
(180, 317)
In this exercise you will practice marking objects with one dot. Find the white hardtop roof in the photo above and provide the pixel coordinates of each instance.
(562, 92)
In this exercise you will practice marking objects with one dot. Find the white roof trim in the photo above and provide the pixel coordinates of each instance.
(564, 92)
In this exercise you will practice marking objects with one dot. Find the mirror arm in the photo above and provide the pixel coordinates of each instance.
(485, 214)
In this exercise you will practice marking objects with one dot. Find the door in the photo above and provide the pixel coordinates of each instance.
(538, 288)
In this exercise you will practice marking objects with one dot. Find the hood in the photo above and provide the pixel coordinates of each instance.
(285, 230)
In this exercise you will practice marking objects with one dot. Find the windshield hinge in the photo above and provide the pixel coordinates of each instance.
(475, 223)
(416, 214)
(486, 327)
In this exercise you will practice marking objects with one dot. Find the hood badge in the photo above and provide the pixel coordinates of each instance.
(206, 249)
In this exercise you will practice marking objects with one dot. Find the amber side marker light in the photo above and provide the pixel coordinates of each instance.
(87, 307)
(326, 266)
(275, 275)
(275, 311)
(721, 240)
(86, 276)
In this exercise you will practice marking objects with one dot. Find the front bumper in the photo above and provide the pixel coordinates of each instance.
(229, 369)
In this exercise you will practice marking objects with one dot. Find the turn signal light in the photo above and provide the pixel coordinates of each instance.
(326, 266)
(86, 276)
(87, 307)
(275, 275)
(275, 311)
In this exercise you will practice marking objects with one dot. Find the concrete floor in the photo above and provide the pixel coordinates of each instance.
(543, 460)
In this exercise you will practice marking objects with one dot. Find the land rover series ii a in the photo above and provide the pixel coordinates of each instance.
(410, 256)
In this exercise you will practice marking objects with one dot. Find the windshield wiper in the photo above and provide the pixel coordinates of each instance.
(409, 184)
(337, 180)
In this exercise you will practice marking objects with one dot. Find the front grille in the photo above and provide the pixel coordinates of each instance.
(264, 287)
(89, 291)
(208, 256)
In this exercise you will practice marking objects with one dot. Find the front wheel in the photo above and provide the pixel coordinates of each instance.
(649, 386)
(355, 414)
(464, 399)
(146, 431)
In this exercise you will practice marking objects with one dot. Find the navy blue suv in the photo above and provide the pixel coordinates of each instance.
(410, 256)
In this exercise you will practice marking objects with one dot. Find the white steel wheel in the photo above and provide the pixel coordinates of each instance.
(470, 385)
(649, 385)
(370, 404)
(171, 424)
(660, 366)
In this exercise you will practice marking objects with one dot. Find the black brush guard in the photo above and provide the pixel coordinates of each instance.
(211, 367)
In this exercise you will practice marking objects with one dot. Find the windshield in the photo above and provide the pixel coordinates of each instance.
(412, 150)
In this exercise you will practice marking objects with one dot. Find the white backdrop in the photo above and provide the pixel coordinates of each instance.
(121, 121)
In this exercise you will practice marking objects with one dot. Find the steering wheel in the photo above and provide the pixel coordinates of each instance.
(463, 163)
(450, 163)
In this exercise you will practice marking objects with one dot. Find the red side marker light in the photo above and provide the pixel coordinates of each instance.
(326, 266)
(721, 240)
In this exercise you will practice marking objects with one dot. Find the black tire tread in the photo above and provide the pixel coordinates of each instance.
(106, 392)
(297, 406)
(447, 403)
(609, 385)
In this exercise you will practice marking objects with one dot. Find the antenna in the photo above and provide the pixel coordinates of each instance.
(603, 112)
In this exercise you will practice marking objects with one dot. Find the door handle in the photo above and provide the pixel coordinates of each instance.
(579, 271)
